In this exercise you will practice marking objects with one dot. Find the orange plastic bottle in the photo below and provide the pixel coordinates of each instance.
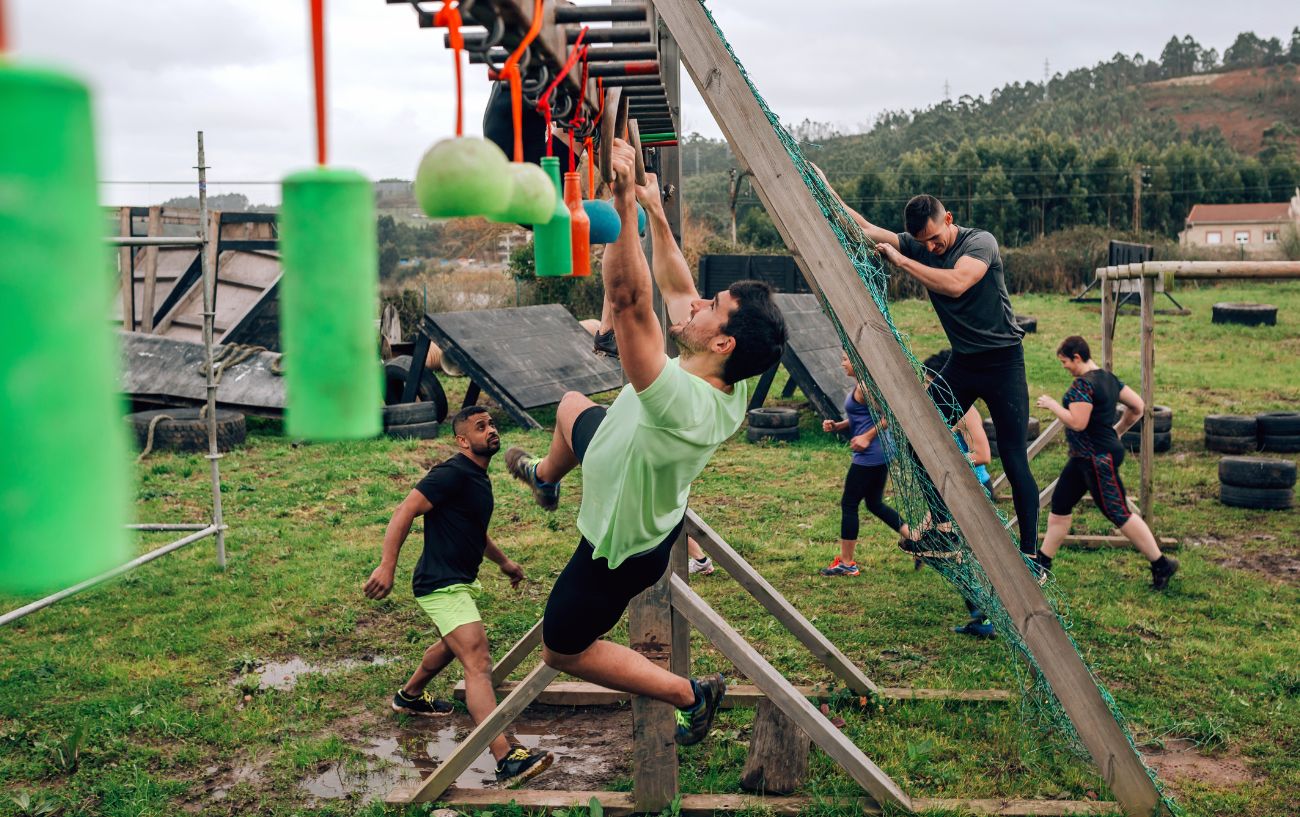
(581, 225)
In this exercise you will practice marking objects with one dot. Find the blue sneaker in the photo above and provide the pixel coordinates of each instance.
(977, 628)
(839, 567)
(693, 724)
(523, 467)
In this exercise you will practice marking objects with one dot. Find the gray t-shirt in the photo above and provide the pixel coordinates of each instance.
(980, 318)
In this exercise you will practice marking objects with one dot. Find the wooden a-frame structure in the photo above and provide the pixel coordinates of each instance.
(659, 618)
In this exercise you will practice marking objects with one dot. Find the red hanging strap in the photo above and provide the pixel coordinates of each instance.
(589, 148)
(510, 71)
(449, 17)
(318, 64)
(4, 40)
(544, 103)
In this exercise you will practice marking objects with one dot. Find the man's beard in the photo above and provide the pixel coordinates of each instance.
(685, 343)
(486, 449)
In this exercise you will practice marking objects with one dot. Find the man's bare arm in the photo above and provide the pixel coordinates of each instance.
(951, 282)
(671, 271)
(877, 234)
(399, 527)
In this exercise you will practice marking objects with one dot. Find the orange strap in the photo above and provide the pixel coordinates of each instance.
(318, 64)
(589, 147)
(4, 41)
(449, 16)
(510, 71)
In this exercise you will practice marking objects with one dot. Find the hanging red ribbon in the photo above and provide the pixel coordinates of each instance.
(449, 17)
(510, 72)
(544, 103)
(318, 65)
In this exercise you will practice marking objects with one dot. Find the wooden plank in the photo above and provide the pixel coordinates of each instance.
(582, 693)
(1035, 448)
(1091, 542)
(804, 227)
(1146, 489)
(162, 370)
(515, 655)
(679, 564)
(150, 271)
(782, 610)
(126, 264)
(759, 396)
(620, 804)
(476, 741)
(1107, 324)
(831, 740)
(654, 750)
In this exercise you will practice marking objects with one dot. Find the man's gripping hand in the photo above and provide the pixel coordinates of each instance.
(623, 160)
(380, 583)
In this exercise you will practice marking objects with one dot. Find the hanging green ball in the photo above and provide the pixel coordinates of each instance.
(532, 196)
(329, 296)
(605, 223)
(65, 480)
(463, 177)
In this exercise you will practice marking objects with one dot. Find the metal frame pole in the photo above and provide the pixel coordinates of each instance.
(208, 263)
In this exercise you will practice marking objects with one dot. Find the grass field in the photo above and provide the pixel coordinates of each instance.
(139, 698)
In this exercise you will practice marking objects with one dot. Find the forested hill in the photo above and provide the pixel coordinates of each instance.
(1031, 158)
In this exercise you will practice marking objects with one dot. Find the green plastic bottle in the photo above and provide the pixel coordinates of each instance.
(553, 241)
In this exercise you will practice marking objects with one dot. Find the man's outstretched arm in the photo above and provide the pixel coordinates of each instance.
(877, 234)
(671, 272)
(626, 276)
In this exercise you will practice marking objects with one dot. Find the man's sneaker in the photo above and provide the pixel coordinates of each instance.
(839, 567)
(693, 724)
(702, 566)
(605, 344)
(977, 627)
(1160, 576)
(424, 705)
(523, 467)
(521, 764)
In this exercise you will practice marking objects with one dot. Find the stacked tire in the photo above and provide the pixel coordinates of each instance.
(1279, 431)
(1257, 483)
(1231, 433)
(773, 424)
(1162, 418)
(1028, 323)
(183, 429)
(418, 420)
(411, 421)
(1244, 314)
(1034, 429)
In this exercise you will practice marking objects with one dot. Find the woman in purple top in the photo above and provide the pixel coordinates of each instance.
(865, 481)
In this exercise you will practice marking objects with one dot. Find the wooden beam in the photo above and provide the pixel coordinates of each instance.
(654, 750)
(476, 742)
(582, 693)
(1107, 324)
(150, 271)
(1146, 491)
(1090, 542)
(807, 232)
(515, 655)
(782, 693)
(1035, 448)
(783, 611)
(1203, 270)
(620, 804)
(125, 264)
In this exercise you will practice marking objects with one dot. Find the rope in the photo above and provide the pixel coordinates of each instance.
(449, 17)
(510, 71)
(148, 440)
(544, 102)
(318, 66)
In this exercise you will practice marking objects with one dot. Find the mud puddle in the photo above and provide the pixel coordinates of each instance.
(284, 675)
(1181, 761)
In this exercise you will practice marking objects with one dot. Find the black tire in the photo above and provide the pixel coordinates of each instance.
(1231, 445)
(1027, 323)
(1281, 443)
(1163, 418)
(1269, 499)
(993, 449)
(413, 431)
(1032, 429)
(1257, 472)
(1245, 314)
(395, 373)
(1035, 428)
(774, 418)
(1231, 425)
(407, 413)
(1279, 423)
(784, 434)
(185, 431)
(1162, 440)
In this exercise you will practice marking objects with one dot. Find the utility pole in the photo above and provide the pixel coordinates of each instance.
(1137, 198)
(947, 90)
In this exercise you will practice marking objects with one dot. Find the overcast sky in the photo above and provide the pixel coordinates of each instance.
(240, 70)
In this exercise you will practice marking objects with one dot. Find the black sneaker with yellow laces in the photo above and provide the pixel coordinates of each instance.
(521, 764)
(423, 705)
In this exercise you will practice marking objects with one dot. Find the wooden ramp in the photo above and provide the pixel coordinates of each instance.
(246, 285)
(165, 371)
(812, 358)
(522, 357)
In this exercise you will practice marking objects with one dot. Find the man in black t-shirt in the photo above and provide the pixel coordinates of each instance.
(455, 499)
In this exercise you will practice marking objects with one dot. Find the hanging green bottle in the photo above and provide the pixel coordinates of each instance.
(553, 241)
(65, 486)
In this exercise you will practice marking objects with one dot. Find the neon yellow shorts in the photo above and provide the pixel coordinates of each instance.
(452, 606)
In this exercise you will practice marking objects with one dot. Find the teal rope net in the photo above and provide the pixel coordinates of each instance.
(918, 501)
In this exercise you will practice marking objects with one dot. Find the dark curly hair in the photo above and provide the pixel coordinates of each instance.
(758, 329)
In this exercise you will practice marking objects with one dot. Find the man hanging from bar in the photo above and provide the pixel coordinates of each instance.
(640, 457)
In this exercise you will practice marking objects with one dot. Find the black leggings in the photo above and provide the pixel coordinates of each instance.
(997, 377)
(1097, 475)
(865, 483)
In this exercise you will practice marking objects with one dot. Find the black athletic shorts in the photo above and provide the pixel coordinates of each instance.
(588, 598)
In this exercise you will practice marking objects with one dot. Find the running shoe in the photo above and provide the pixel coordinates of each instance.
(424, 705)
(976, 627)
(521, 764)
(693, 724)
(702, 566)
(605, 344)
(523, 467)
(1160, 578)
(839, 567)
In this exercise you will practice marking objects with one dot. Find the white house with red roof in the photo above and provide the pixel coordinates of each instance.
(1256, 229)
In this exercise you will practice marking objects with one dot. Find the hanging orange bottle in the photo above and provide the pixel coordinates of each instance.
(581, 225)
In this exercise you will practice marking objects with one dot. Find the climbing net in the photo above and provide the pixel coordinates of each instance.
(920, 503)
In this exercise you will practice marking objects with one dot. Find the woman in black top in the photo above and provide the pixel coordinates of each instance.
(1092, 430)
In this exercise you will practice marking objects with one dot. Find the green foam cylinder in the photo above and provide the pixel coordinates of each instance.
(65, 480)
(329, 296)
(553, 241)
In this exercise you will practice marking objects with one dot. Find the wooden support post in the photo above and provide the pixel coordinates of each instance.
(774, 685)
(476, 742)
(516, 654)
(150, 272)
(807, 232)
(126, 269)
(776, 604)
(654, 750)
(1146, 495)
(777, 762)
(680, 659)
(582, 693)
(1035, 448)
(1108, 324)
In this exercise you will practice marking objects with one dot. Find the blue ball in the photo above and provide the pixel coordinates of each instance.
(605, 223)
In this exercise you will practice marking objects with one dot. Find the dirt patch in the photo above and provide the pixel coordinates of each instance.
(1283, 566)
(591, 747)
(1180, 761)
(284, 675)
